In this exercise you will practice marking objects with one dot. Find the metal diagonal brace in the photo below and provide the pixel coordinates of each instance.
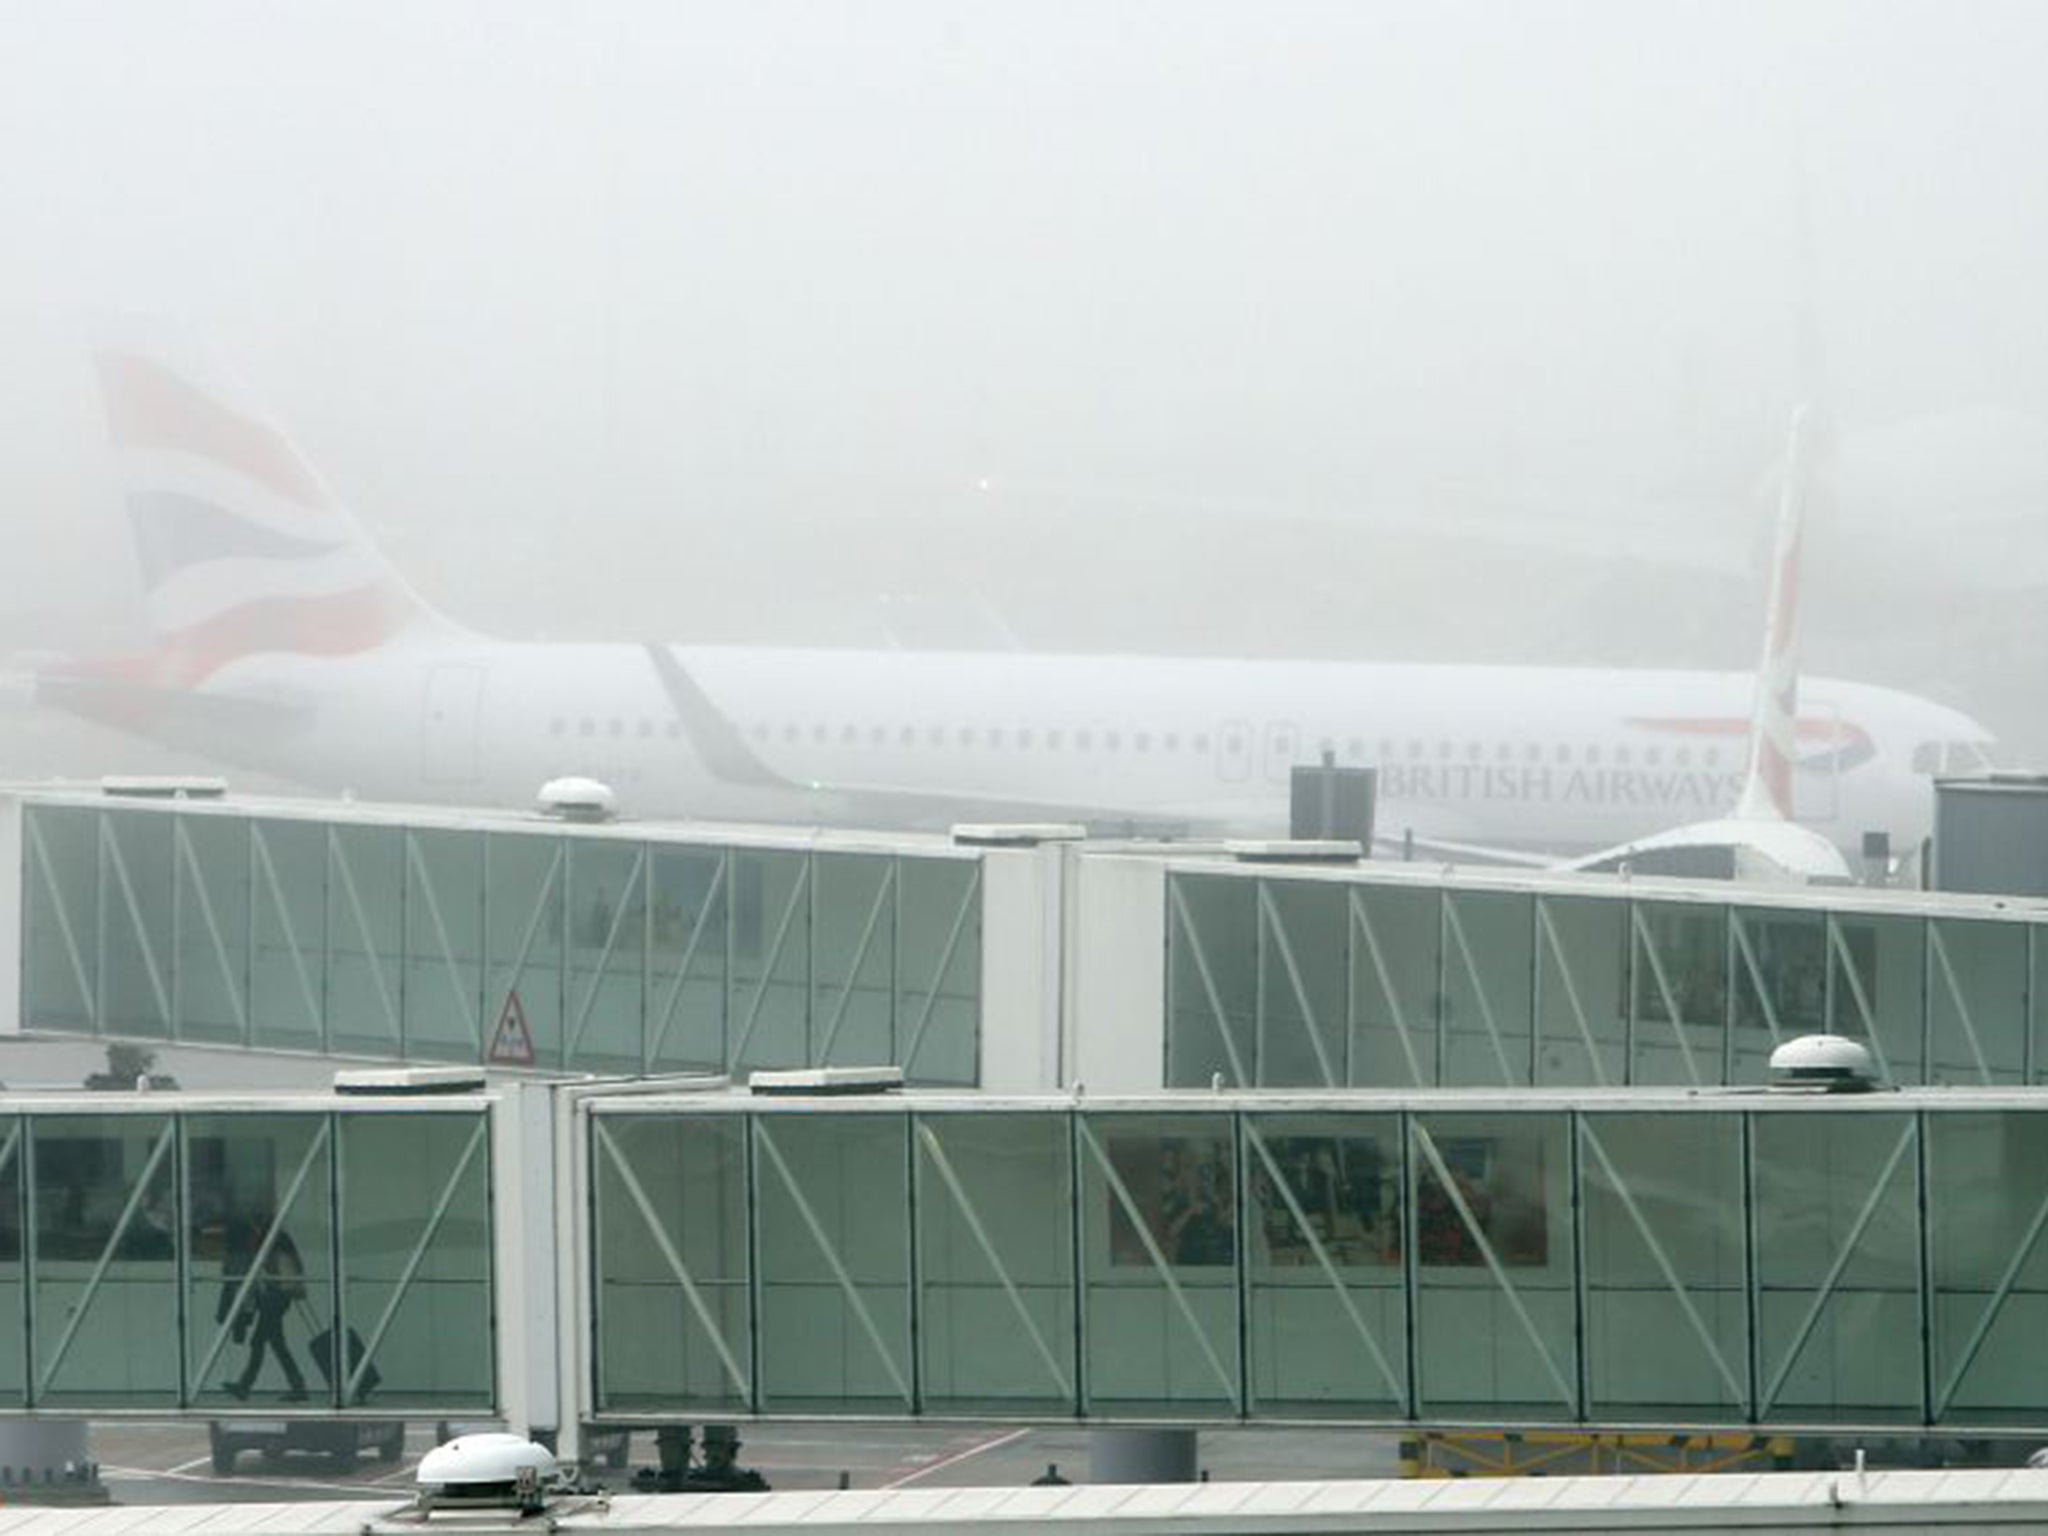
(1826, 1292)
(1209, 987)
(1456, 925)
(1325, 1262)
(412, 1264)
(1386, 981)
(1152, 1251)
(99, 1270)
(604, 957)
(56, 896)
(133, 903)
(929, 1139)
(637, 1192)
(1665, 992)
(773, 958)
(1571, 990)
(715, 894)
(465, 1007)
(1300, 988)
(263, 1249)
(1493, 1261)
(860, 957)
(833, 1262)
(370, 958)
(190, 860)
(1662, 1261)
(931, 997)
(284, 919)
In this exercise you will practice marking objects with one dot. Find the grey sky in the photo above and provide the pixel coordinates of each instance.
(526, 279)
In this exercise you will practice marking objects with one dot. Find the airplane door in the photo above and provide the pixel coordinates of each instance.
(448, 727)
(1233, 751)
(1283, 750)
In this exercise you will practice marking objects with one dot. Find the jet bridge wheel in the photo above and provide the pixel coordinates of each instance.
(220, 1450)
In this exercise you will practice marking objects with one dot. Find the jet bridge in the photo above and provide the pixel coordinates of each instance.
(607, 1254)
(1782, 1262)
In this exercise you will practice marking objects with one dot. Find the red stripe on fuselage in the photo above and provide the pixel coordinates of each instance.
(150, 407)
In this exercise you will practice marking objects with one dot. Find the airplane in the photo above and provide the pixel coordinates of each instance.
(284, 641)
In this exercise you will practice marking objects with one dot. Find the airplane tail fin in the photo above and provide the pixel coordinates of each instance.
(1774, 716)
(241, 547)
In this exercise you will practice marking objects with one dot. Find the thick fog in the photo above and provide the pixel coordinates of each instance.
(1459, 331)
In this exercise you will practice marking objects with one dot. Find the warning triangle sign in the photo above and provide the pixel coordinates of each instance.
(512, 1041)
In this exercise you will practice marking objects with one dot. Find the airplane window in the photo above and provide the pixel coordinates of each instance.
(1111, 741)
(1443, 751)
(1592, 757)
(1052, 741)
(1172, 742)
(1233, 745)
(1504, 753)
(615, 727)
(936, 736)
(1682, 757)
(848, 735)
(760, 730)
(1201, 743)
(1142, 742)
(557, 726)
(1652, 756)
(789, 733)
(1533, 752)
(1083, 740)
(907, 736)
(675, 729)
(1621, 757)
(646, 728)
(1711, 757)
(1415, 751)
(818, 734)
(1024, 740)
(966, 737)
(1564, 753)
(1474, 751)
(995, 736)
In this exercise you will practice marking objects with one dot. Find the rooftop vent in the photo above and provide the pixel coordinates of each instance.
(408, 1082)
(487, 1471)
(1296, 850)
(1017, 834)
(1826, 1063)
(577, 799)
(158, 786)
(827, 1081)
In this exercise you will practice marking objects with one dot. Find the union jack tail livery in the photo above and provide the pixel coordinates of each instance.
(1774, 718)
(243, 550)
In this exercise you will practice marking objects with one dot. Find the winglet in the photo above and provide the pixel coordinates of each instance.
(1773, 727)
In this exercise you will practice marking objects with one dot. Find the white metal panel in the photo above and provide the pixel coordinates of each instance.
(1116, 972)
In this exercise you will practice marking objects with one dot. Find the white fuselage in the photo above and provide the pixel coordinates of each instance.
(1531, 757)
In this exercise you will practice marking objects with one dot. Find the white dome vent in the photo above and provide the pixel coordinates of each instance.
(575, 798)
(1829, 1063)
(487, 1471)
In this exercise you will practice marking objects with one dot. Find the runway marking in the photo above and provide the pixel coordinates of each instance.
(995, 1443)
(187, 1466)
